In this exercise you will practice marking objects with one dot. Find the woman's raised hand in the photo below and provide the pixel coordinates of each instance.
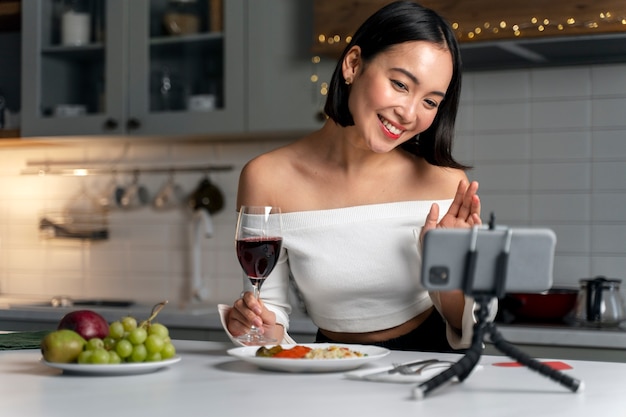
(464, 212)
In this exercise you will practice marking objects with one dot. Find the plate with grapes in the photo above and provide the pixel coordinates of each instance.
(116, 369)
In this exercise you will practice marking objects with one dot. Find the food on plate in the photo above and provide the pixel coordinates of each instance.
(86, 323)
(306, 352)
(264, 352)
(62, 346)
(334, 352)
(123, 341)
(295, 352)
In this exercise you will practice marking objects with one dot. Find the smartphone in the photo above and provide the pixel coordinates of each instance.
(529, 265)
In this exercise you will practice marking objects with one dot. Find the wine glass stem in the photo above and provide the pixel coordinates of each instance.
(256, 288)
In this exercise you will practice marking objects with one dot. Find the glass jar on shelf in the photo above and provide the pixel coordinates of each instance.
(75, 22)
(182, 17)
(168, 92)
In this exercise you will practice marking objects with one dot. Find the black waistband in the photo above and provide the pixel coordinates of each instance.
(430, 336)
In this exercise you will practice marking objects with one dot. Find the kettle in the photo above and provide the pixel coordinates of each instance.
(599, 302)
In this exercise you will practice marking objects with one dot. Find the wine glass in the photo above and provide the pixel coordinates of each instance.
(258, 241)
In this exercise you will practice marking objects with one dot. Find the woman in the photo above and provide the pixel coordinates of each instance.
(354, 191)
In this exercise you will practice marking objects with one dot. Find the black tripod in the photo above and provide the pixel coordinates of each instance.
(466, 364)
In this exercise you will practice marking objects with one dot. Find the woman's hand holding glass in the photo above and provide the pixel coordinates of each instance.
(258, 242)
(247, 311)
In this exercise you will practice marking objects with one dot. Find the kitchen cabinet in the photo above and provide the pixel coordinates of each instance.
(9, 70)
(259, 66)
(282, 96)
(129, 76)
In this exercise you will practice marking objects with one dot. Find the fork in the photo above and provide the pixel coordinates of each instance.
(407, 369)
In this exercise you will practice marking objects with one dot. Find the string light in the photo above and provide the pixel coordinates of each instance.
(319, 89)
(526, 26)
(499, 28)
(538, 24)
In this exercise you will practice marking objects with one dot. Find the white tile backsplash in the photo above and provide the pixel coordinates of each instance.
(609, 207)
(463, 149)
(503, 116)
(609, 176)
(561, 146)
(610, 267)
(609, 112)
(609, 144)
(467, 91)
(608, 80)
(147, 256)
(502, 177)
(513, 86)
(502, 146)
(465, 119)
(570, 269)
(608, 239)
(509, 209)
(561, 176)
(560, 208)
(561, 82)
(573, 238)
(561, 114)
(548, 147)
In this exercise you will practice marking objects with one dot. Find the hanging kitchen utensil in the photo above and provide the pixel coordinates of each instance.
(169, 196)
(112, 193)
(206, 196)
(135, 195)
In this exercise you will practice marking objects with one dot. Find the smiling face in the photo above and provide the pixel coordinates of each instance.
(396, 95)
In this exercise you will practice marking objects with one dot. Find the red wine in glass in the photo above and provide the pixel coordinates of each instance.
(258, 241)
(258, 256)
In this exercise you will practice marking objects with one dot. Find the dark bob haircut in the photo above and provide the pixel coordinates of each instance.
(396, 23)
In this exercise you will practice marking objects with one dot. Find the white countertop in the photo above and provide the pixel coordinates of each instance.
(208, 382)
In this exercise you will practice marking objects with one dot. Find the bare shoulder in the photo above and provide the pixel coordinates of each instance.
(442, 182)
(261, 178)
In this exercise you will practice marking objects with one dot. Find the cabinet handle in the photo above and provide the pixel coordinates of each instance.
(110, 124)
(133, 124)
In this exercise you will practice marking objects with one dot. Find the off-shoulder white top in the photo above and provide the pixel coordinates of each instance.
(357, 268)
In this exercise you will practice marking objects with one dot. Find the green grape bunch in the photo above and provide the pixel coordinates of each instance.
(130, 341)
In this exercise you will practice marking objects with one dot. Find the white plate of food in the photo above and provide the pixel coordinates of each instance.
(117, 369)
(330, 357)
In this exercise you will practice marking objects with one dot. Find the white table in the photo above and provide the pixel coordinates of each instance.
(208, 382)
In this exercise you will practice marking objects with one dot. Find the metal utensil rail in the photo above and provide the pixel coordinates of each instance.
(77, 169)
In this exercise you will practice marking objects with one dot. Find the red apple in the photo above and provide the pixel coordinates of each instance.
(86, 323)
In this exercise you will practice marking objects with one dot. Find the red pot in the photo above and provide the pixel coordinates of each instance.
(550, 305)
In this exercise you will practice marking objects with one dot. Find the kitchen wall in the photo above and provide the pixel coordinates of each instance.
(548, 146)
(147, 256)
